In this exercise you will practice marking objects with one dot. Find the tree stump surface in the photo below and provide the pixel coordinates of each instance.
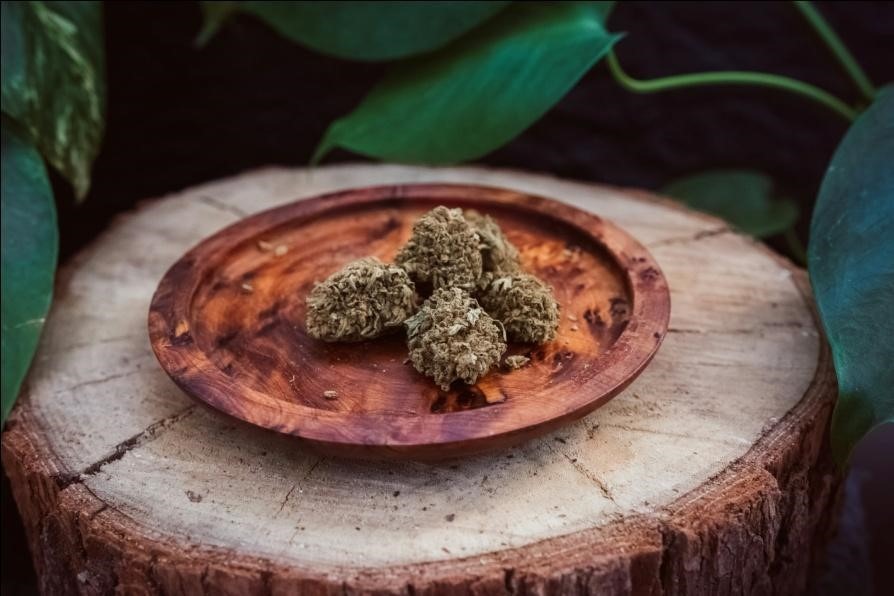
(709, 474)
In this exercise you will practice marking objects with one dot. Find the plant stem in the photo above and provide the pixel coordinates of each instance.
(795, 247)
(837, 47)
(730, 77)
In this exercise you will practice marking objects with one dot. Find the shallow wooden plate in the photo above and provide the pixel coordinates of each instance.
(227, 324)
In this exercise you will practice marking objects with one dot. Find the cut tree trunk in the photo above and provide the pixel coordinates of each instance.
(709, 474)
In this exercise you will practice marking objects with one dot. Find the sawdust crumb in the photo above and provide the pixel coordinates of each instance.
(517, 361)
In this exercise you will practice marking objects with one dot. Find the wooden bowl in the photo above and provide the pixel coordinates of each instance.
(227, 324)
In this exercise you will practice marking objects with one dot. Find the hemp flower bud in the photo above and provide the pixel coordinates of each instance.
(523, 303)
(497, 253)
(443, 250)
(452, 338)
(363, 300)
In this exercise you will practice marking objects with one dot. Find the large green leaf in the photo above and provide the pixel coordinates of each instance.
(53, 81)
(742, 197)
(367, 31)
(851, 264)
(480, 91)
(29, 246)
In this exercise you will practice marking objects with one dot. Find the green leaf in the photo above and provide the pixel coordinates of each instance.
(367, 31)
(29, 246)
(851, 264)
(742, 197)
(479, 92)
(53, 81)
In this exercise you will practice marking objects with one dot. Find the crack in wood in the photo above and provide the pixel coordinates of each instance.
(666, 433)
(593, 478)
(151, 573)
(701, 235)
(96, 513)
(221, 206)
(150, 433)
(286, 499)
(665, 568)
(311, 469)
(267, 581)
(744, 331)
(99, 381)
(203, 579)
(53, 350)
(509, 580)
(81, 542)
(295, 485)
(741, 365)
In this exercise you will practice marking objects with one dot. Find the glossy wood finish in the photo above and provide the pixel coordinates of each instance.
(227, 324)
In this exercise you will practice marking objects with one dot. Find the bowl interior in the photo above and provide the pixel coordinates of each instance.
(247, 313)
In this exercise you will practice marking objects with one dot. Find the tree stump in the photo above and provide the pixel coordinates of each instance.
(709, 474)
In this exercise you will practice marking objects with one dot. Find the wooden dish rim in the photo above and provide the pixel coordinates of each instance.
(612, 371)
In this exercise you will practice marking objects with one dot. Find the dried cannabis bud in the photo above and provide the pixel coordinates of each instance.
(498, 254)
(363, 300)
(523, 303)
(443, 250)
(452, 338)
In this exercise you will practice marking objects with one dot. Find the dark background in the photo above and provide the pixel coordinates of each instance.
(178, 116)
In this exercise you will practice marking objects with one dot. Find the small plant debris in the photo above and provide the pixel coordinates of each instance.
(480, 298)
(516, 362)
(278, 250)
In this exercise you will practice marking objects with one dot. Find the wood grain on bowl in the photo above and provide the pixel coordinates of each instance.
(227, 324)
